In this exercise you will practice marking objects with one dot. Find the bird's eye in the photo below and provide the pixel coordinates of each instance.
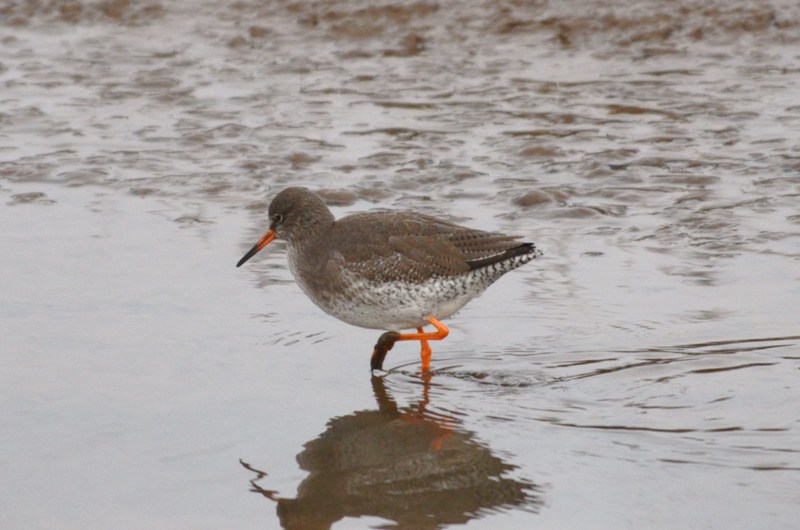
(277, 218)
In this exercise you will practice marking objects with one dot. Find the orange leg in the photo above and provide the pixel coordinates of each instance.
(424, 352)
(387, 340)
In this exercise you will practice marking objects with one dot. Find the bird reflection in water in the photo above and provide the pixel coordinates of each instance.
(416, 468)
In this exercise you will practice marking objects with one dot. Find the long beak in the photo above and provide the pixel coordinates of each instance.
(263, 242)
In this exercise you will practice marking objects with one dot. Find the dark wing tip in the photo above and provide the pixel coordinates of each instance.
(523, 249)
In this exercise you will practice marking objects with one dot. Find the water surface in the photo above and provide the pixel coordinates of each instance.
(641, 374)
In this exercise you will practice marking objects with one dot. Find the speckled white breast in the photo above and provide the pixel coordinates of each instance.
(399, 305)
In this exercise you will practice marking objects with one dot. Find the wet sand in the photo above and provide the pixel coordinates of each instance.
(641, 374)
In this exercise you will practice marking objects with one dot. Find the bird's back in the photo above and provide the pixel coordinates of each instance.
(414, 247)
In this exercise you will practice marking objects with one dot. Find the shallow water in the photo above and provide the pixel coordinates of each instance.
(641, 374)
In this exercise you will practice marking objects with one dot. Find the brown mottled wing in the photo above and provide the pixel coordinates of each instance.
(414, 247)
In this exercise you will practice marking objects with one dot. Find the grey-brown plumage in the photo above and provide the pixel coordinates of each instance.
(387, 270)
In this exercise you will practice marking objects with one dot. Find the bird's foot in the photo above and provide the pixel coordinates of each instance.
(384, 344)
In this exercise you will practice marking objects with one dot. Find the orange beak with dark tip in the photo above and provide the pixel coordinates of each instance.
(265, 240)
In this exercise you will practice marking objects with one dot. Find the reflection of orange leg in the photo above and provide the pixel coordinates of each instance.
(437, 442)
(439, 426)
(387, 340)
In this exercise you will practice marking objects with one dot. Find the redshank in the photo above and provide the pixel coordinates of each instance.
(388, 270)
